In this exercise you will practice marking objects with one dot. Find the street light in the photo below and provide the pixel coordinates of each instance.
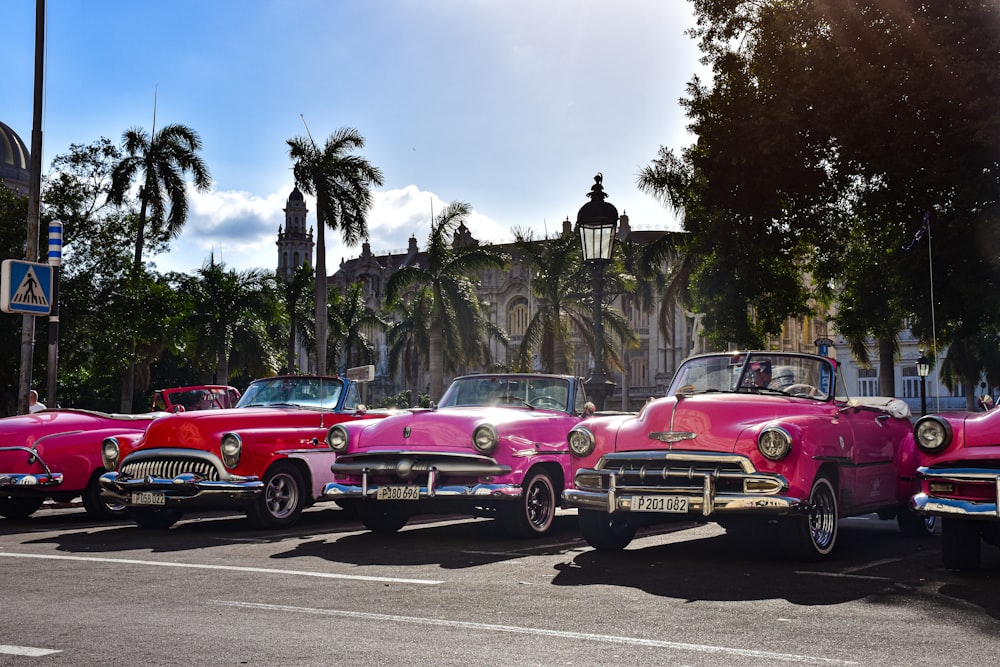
(597, 221)
(923, 370)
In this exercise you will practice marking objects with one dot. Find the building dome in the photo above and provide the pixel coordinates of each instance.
(296, 195)
(14, 160)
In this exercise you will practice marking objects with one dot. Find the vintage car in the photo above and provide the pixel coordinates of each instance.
(267, 456)
(56, 454)
(203, 397)
(494, 446)
(960, 481)
(748, 440)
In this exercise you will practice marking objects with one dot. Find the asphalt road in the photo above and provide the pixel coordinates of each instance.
(454, 591)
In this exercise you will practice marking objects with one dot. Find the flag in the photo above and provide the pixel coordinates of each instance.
(921, 233)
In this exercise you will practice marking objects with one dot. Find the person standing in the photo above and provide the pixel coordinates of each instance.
(34, 405)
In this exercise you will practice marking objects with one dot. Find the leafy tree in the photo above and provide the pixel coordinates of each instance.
(352, 321)
(457, 324)
(13, 231)
(408, 335)
(297, 289)
(341, 183)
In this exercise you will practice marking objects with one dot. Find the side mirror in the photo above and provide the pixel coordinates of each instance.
(589, 409)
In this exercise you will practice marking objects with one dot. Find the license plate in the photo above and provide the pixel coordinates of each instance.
(667, 504)
(398, 493)
(149, 498)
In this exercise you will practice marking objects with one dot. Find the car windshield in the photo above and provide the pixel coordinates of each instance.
(193, 398)
(793, 375)
(548, 393)
(297, 391)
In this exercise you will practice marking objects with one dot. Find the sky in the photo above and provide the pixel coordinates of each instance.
(511, 106)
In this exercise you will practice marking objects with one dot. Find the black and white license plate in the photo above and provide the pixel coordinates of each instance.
(149, 498)
(397, 493)
(667, 504)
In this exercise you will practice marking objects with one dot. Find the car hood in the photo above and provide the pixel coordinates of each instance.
(34, 429)
(450, 429)
(708, 422)
(975, 429)
(194, 429)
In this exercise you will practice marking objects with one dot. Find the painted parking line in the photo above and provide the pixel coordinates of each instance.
(230, 568)
(29, 651)
(561, 634)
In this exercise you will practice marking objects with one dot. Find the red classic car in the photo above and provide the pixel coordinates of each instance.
(960, 482)
(267, 455)
(494, 446)
(748, 439)
(56, 454)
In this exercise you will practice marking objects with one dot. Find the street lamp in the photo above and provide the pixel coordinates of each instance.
(597, 221)
(923, 370)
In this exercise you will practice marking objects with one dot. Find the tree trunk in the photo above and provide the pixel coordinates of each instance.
(436, 345)
(886, 366)
(321, 295)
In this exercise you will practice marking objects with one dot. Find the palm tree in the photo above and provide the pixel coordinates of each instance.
(300, 322)
(457, 323)
(341, 182)
(408, 336)
(230, 312)
(160, 163)
(352, 322)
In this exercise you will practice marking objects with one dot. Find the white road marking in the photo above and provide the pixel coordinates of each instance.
(586, 636)
(26, 650)
(231, 568)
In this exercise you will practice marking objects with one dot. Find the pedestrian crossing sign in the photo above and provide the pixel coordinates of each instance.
(26, 287)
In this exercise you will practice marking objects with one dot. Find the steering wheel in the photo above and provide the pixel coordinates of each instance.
(547, 402)
(806, 390)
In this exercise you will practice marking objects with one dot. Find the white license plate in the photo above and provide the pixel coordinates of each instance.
(667, 504)
(398, 493)
(149, 498)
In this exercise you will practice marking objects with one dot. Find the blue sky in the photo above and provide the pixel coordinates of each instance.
(509, 105)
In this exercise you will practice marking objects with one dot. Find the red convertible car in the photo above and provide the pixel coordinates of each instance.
(746, 440)
(56, 453)
(961, 481)
(267, 456)
(495, 446)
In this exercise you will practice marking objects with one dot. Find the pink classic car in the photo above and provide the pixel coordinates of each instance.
(494, 446)
(961, 481)
(747, 440)
(267, 456)
(57, 453)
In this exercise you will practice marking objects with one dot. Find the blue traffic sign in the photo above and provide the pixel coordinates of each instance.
(26, 287)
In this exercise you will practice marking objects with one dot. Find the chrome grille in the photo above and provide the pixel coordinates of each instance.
(169, 468)
(676, 473)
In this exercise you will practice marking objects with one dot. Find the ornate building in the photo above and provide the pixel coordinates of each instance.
(14, 161)
(295, 249)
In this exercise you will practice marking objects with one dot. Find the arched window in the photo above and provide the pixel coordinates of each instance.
(518, 317)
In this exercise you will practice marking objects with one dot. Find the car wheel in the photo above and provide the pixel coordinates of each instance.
(155, 518)
(606, 532)
(380, 516)
(531, 515)
(914, 524)
(99, 507)
(960, 544)
(812, 537)
(282, 499)
(18, 509)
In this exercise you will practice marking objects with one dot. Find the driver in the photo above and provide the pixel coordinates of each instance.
(762, 373)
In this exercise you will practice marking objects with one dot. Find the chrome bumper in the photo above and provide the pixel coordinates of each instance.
(407, 466)
(22, 480)
(603, 489)
(926, 503)
(186, 490)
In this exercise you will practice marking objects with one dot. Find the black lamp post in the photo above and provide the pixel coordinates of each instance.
(923, 370)
(597, 222)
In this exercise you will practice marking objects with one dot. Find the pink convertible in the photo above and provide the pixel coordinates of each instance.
(747, 440)
(495, 446)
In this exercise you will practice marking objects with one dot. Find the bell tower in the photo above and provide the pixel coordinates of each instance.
(295, 242)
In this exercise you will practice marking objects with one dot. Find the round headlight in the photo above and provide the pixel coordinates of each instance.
(110, 450)
(774, 442)
(485, 438)
(336, 438)
(231, 447)
(932, 433)
(581, 441)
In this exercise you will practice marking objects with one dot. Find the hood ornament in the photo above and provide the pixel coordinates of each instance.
(406, 431)
(672, 436)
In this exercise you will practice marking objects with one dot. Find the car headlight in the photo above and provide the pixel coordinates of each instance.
(485, 438)
(110, 451)
(337, 438)
(581, 441)
(231, 448)
(774, 442)
(932, 433)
